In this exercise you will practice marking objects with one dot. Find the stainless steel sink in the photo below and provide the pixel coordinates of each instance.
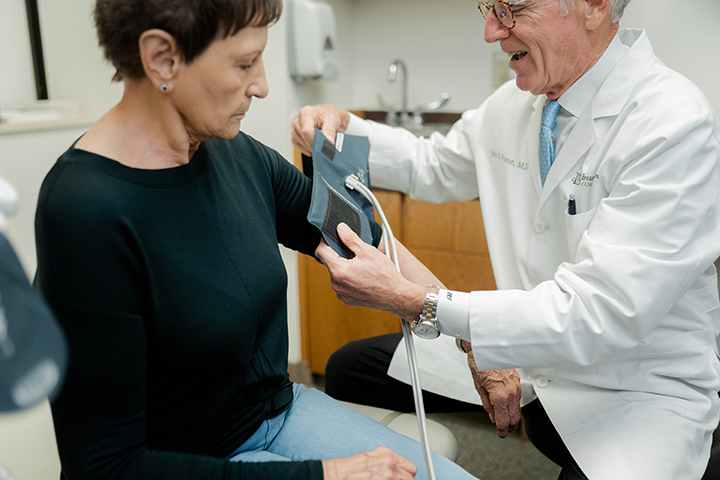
(434, 122)
(428, 128)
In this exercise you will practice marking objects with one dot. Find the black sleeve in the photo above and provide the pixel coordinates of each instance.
(90, 271)
(293, 193)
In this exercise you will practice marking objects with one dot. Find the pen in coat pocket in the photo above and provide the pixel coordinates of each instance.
(571, 205)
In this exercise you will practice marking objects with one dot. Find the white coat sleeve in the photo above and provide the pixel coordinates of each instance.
(436, 169)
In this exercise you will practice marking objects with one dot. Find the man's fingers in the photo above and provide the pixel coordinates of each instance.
(486, 403)
(328, 118)
(325, 253)
(303, 130)
(329, 131)
(350, 238)
(514, 413)
(502, 422)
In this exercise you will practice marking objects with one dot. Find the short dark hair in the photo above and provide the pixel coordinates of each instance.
(193, 23)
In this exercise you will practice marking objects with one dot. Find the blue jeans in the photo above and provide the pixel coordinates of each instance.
(316, 427)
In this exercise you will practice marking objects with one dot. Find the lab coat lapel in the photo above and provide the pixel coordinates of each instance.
(609, 100)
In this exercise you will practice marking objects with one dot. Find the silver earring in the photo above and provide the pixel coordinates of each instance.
(164, 87)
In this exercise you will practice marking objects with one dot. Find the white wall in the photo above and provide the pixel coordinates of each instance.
(73, 63)
(442, 44)
(17, 86)
(27, 444)
(685, 37)
(75, 66)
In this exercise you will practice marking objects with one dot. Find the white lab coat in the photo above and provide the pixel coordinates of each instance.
(611, 314)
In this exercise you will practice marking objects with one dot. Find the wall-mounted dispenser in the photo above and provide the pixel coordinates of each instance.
(312, 44)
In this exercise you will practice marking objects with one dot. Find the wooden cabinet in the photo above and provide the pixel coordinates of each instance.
(455, 248)
(449, 238)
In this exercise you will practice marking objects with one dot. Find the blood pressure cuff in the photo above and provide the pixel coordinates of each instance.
(332, 202)
(32, 346)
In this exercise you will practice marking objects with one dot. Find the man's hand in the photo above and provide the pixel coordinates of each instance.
(500, 393)
(378, 464)
(330, 119)
(370, 279)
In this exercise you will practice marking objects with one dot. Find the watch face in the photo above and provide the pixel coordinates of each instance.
(426, 330)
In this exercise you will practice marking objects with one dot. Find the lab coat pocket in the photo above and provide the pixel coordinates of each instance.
(575, 226)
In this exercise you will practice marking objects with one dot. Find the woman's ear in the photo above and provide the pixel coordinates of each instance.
(160, 56)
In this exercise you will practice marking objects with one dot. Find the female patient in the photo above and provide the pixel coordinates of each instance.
(157, 239)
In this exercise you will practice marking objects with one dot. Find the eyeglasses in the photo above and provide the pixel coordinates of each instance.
(502, 10)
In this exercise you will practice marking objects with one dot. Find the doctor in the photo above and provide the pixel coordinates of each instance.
(598, 174)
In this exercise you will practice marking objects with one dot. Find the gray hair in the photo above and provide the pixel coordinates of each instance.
(617, 8)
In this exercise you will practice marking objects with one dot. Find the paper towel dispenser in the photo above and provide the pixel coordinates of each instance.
(312, 41)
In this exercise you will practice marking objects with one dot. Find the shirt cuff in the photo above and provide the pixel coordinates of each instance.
(453, 313)
(358, 127)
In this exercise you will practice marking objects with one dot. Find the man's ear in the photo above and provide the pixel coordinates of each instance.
(160, 56)
(595, 12)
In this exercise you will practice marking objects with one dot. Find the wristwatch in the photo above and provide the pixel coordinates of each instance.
(426, 326)
(458, 343)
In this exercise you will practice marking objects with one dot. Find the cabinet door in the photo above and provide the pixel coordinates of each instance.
(449, 238)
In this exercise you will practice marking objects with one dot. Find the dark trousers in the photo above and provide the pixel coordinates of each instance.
(357, 373)
(543, 435)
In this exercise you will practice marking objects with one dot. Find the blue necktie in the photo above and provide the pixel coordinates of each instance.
(547, 149)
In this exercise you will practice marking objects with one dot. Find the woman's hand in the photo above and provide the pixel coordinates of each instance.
(370, 279)
(329, 118)
(500, 393)
(379, 464)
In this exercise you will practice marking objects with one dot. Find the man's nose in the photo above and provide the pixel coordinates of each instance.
(494, 30)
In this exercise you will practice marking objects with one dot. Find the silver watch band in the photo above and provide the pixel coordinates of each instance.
(426, 325)
(429, 312)
(458, 343)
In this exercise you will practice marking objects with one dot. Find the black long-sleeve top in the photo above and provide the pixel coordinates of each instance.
(171, 290)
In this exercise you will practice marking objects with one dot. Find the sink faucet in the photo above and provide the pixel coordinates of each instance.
(419, 109)
(404, 115)
(392, 75)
